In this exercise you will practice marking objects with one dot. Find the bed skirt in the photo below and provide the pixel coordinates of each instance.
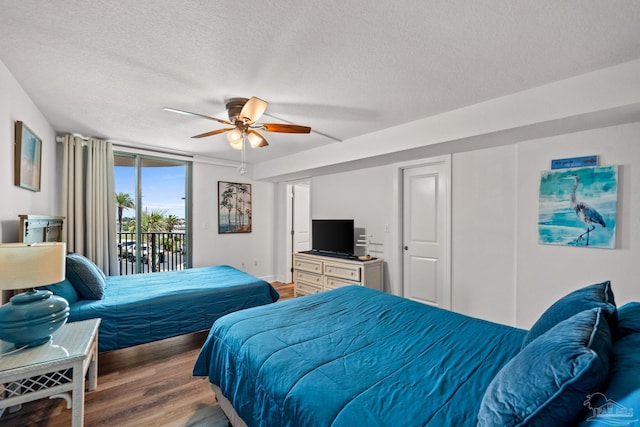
(227, 408)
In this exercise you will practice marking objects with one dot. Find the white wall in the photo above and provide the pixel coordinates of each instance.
(251, 252)
(15, 105)
(499, 271)
(484, 221)
(546, 272)
(498, 147)
(366, 197)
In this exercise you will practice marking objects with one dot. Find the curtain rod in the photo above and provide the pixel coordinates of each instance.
(128, 146)
(123, 146)
(145, 149)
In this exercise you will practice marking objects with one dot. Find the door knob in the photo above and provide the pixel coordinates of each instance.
(406, 248)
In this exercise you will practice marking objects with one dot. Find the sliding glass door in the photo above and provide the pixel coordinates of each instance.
(152, 213)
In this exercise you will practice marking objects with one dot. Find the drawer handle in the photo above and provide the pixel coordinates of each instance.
(352, 273)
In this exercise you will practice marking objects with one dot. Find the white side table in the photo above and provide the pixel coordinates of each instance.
(53, 369)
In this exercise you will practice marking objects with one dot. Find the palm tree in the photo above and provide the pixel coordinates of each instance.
(154, 220)
(123, 201)
(242, 193)
(226, 204)
(170, 222)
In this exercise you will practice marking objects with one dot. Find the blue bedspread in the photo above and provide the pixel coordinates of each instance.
(355, 356)
(142, 308)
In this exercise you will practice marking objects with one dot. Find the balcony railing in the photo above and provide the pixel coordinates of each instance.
(159, 251)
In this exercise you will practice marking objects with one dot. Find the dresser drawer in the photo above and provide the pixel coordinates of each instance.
(332, 283)
(305, 288)
(315, 279)
(349, 272)
(307, 265)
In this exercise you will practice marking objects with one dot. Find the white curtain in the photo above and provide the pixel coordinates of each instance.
(88, 201)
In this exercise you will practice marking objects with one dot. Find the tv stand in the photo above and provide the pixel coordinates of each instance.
(315, 272)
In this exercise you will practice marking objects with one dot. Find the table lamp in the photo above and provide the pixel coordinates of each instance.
(30, 318)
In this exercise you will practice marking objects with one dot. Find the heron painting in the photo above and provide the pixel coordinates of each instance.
(577, 207)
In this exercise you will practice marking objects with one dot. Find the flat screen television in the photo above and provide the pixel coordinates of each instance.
(332, 235)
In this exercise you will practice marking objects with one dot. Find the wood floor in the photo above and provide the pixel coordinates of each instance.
(146, 385)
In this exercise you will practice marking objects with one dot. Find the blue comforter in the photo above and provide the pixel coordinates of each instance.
(355, 356)
(142, 308)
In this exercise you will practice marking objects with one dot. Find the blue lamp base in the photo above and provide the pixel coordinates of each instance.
(30, 318)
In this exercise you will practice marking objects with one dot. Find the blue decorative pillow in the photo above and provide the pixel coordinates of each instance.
(85, 276)
(63, 289)
(598, 295)
(547, 382)
(628, 320)
(620, 400)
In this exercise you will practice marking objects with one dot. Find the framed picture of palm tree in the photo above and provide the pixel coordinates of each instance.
(234, 207)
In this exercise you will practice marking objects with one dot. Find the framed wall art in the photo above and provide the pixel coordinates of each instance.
(234, 207)
(578, 207)
(28, 158)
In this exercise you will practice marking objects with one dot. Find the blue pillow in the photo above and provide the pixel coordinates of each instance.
(547, 382)
(621, 397)
(598, 295)
(628, 320)
(63, 289)
(85, 276)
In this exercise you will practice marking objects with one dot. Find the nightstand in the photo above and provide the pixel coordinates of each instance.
(53, 369)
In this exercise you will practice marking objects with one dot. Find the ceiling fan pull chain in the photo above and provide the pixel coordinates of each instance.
(244, 147)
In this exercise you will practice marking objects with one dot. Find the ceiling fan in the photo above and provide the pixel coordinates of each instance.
(243, 115)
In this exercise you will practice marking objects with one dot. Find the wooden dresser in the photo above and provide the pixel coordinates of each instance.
(316, 273)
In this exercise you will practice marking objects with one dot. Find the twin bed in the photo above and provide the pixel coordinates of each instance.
(142, 308)
(355, 356)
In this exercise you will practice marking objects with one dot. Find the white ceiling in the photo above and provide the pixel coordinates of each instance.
(343, 67)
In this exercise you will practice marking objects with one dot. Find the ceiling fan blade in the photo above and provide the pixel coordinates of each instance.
(252, 110)
(188, 113)
(256, 140)
(276, 127)
(211, 133)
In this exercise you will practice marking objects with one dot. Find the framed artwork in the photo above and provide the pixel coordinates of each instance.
(234, 207)
(578, 207)
(28, 153)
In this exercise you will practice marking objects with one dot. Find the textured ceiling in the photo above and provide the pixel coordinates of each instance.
(345, 68)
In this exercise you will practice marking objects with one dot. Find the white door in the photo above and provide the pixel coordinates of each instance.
(301, 232)
(298, 222)
(426, 233)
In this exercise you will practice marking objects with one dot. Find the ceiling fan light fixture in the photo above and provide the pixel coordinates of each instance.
(255, 139)
(236, 145)
(234, 136)
(243, 114)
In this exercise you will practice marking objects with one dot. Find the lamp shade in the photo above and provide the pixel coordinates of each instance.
(31, 317)
(26, 265)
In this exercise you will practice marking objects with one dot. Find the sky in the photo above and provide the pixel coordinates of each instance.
(163, 188)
